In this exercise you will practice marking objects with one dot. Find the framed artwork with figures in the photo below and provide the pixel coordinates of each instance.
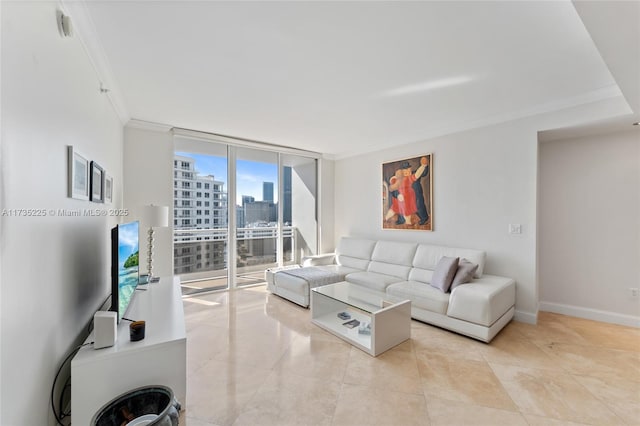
(407, 194)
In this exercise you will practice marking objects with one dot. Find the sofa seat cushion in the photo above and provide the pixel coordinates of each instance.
(372, 280)
(422, 296)
(341, 270)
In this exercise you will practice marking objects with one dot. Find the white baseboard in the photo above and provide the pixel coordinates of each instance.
(592, 314)
(526, 317)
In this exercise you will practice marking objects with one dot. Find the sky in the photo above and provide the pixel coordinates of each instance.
(127, 241)
(249, 174)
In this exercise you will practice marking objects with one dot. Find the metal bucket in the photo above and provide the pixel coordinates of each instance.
(144, 406)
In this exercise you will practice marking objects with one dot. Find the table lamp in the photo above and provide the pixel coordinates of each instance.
(153, 217)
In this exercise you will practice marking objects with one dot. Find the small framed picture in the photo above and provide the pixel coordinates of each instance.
(108, 189)
(78, 171)
(97, 183)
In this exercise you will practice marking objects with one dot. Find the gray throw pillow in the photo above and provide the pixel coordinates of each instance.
(464, 274)
(444, 273)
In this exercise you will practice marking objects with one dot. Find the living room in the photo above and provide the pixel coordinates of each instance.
(559, 158)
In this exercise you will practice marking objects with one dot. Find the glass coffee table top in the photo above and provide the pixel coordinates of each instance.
(357, 296)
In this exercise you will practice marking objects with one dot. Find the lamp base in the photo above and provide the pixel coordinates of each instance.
(150, 255)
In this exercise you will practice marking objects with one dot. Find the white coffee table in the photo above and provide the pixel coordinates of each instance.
(389, 316)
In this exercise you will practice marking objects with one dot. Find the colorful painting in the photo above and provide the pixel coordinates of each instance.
(407, 194)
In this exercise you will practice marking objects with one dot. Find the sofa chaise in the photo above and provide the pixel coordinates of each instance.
(478, 309)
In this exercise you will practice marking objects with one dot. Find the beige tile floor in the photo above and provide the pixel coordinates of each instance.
(255, 359)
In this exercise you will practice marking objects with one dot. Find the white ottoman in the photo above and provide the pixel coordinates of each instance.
(294, 284)
(269, 274)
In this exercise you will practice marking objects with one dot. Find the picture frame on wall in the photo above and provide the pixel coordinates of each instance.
(78, 175)
(97, 183)
(108, 189)
(407, 193)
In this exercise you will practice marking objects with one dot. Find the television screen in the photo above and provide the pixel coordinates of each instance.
(124, 266)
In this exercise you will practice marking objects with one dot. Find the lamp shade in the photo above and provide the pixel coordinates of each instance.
(155, 216)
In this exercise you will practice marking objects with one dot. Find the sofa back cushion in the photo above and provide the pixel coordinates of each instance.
(421, 275)
(428, 256)
(354, 252)
(392, 258)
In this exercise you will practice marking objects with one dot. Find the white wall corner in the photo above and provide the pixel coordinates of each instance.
(134, 123)
(526, 317)
(85, 31)
(330, 157)
(591, 314)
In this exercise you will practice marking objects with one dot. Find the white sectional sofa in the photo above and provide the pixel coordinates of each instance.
(479, 309)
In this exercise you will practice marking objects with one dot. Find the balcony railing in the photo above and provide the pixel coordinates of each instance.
(220, 234)
(256, 251)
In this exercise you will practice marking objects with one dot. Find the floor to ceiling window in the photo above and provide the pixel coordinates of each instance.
(200, 216)
(238, 210)
(256, 214)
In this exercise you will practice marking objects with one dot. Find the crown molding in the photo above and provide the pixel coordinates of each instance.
(85, 31)
(134, 123)
(606, 93)
(326, 156)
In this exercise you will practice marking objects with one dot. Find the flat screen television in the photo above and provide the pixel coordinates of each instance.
(125, 272)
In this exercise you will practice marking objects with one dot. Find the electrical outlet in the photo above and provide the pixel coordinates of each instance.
(515, 228)
(633, 292)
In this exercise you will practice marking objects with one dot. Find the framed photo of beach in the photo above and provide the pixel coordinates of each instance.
(407, 193)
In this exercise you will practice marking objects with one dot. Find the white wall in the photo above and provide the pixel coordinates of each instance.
(590, 226)
(326, 187)
(55, 270)
(303, 207)
(148, 177)
(483, 180)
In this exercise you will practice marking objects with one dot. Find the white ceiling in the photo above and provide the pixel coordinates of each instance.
(346, 77)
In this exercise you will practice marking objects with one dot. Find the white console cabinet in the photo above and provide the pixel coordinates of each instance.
(100, 375)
